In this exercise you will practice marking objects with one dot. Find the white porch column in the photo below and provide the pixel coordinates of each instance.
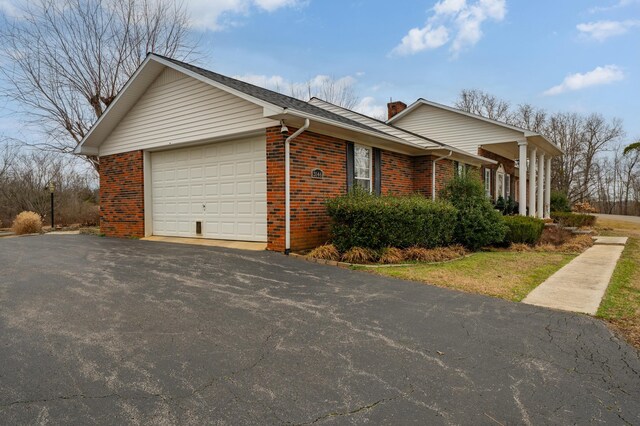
(522, 179)
(547, 191)
(541, 179)
(532, 182)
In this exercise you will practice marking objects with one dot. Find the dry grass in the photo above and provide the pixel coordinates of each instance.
(577, 244)
(360, 256)
(440, 254)
(617, 227)
(325, 252)
(504, 274)
(555, 235)
(621, 303)
(391, 255)
(27, 223)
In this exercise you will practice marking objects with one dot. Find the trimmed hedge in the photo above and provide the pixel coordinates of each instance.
(559, 202)
(573, 219)
(478, 224)
(374, 222)
(523, 230)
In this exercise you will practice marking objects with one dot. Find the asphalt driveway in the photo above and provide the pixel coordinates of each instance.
(97, 330)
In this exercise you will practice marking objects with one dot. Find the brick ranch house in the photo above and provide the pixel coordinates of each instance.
(186, 152)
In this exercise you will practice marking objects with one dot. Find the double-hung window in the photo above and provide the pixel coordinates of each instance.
(487, 182)
(363, 159)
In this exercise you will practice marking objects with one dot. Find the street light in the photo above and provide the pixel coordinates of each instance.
(52, 189)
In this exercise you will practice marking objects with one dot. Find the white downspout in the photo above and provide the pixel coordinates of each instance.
(433, 174)
(287, 186)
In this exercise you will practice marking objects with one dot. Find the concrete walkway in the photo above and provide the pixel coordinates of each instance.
(241, 245)
(580, 285)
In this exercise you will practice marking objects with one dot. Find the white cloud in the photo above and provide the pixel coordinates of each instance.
(368, 106)
(212, 15)
(602, 30)
(419, 39)
(599, 76)
(456, 20)
(10, 8)
(620, 4)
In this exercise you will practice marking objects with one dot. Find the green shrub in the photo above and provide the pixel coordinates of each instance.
(523, 230)
(374, 222)
(559, 202)
(573, 219)
(478, 224)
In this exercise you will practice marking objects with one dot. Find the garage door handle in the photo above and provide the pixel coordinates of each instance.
(204, 207)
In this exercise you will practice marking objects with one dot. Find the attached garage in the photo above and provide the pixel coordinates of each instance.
(186, 152)
(216, 191)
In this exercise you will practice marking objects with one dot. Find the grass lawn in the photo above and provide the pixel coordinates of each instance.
(621, 303)
(508, 275)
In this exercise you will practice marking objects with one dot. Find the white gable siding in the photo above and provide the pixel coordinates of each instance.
(179, 109)
(371, 123)
(454, 129)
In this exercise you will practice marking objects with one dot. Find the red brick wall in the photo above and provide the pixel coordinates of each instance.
(396, 173)
(275, 190)
(445, 171)
(422, 178)
(509, 168)
(309, 221)
(122, 195)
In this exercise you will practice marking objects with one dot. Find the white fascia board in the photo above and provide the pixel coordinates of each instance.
(466, 156)
(352, 128)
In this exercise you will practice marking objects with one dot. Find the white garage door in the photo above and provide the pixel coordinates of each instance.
(222, 185)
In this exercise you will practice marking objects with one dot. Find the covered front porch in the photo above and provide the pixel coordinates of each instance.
(532, 155)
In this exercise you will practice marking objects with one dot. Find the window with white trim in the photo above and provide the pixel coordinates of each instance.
(507, 186)
(362, 166)
(500, 182)
(487, 182)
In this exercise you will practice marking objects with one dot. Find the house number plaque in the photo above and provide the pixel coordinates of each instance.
(317, 174)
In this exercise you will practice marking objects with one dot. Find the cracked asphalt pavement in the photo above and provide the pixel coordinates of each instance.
(97, 330)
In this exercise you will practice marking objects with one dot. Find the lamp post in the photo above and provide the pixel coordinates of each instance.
(52, 188)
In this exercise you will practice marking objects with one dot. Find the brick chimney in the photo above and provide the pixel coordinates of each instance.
(394, 108)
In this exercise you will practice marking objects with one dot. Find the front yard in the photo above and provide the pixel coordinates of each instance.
(508, 275)
(621, 304)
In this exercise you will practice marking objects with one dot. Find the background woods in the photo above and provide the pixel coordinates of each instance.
(593, 167)
(24, 181)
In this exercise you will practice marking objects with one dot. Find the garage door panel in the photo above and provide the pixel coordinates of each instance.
(229, 178)
(260, 167)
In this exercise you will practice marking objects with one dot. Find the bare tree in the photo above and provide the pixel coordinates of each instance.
(598, 134)
(64, 61)
(565, 130)
(579, 172)
(340, 92)
(527, 116)
(24, 182)
(482, 103)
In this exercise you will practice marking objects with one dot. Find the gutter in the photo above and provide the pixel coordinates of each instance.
(433, 174)
(287, 185)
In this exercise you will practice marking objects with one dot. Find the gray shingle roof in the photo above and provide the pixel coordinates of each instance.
(269, 96)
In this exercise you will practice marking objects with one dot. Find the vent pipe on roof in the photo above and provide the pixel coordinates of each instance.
(287, 183)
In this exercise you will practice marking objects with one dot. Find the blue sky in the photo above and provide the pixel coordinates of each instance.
(574, 55)
(561, 55)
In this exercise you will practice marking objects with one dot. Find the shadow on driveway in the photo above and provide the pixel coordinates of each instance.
(98, 330)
